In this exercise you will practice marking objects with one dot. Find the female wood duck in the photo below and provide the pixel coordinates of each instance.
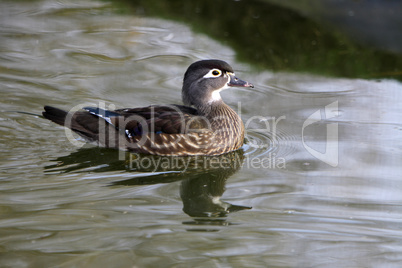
(210, 128)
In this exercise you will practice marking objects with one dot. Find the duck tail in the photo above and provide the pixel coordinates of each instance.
(55, 115)
(83, 123)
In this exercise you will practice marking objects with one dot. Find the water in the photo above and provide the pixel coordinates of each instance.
(272, 204)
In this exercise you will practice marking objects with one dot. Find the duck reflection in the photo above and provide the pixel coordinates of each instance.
(201, 193)
(203, 178)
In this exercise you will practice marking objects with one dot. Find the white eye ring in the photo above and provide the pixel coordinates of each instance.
(213, 73)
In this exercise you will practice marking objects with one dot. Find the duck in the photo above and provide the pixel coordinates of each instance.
(204, 125)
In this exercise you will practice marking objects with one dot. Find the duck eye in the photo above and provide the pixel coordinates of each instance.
(216, 72)
(213, 73)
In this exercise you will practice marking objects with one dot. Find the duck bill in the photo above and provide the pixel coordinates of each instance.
(237, 82)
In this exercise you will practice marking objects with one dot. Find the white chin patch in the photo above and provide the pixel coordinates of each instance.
(216, 96)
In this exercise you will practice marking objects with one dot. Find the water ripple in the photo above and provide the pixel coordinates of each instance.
(264, 143)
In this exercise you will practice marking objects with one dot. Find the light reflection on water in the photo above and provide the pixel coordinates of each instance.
(63, 206)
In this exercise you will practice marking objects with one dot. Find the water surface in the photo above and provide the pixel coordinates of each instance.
(273, 203)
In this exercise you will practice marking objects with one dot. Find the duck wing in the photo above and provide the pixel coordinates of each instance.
(159, 119)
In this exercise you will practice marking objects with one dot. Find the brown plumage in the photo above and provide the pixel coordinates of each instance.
(210, 128)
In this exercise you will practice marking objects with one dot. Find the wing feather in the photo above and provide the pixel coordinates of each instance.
(169, 119)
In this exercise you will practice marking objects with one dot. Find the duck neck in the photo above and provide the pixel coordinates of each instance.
(219, 113)
(213, 109)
